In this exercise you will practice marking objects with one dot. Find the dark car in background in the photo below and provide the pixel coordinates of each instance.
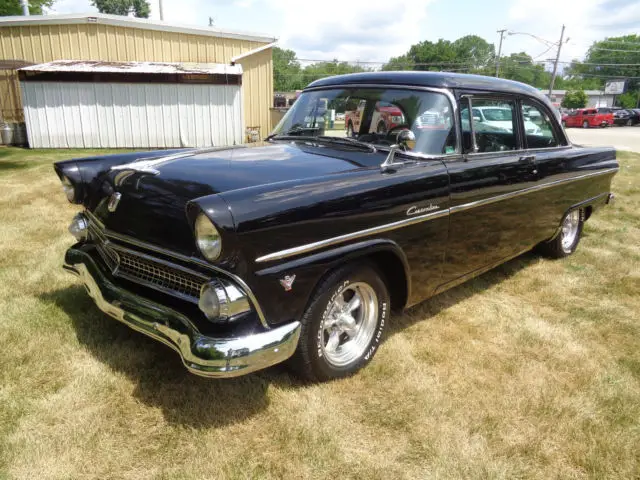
(626, 117)
(300, 247)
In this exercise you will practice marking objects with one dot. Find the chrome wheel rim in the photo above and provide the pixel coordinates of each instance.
(570, 229)
(349, 325)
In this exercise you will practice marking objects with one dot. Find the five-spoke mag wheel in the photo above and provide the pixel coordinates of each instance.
(343, 325)
(349, 324)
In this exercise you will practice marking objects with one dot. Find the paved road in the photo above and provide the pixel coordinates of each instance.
(622, 138)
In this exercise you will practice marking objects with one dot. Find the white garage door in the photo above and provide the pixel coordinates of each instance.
(131, 115)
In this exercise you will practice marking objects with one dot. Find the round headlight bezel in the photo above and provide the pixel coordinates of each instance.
(69, 189)
(208, 239)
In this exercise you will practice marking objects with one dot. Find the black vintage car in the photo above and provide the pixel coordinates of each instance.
(300, 247)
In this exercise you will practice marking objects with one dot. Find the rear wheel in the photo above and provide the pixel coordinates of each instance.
(381, 129)
(343, 325)
(564, 124)
(585, 124)
(629, 123)
(566, 242)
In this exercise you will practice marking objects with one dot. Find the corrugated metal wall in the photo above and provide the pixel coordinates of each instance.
(117, 115)
(39, 44)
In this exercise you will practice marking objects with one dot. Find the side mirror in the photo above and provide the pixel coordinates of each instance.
(404, 138)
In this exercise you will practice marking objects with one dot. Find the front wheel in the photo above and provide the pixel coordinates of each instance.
(566, 242)
(629, 123)
(585, 124)
(564, 124)
(343, 325)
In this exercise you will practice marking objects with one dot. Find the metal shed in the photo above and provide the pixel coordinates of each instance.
(39, 39)
(84, 104)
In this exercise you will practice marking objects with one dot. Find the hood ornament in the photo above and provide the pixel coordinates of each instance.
(114, 200)
(287, 282)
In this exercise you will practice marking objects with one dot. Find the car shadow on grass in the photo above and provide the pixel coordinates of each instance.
(188, 400)
(161, 381)
(433, 306)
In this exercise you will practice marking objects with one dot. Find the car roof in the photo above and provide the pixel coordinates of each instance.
(432, 79)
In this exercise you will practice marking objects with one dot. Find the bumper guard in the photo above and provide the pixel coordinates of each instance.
(202, 355)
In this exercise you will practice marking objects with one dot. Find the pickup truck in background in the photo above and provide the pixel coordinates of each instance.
(385, 117)
(588, 117)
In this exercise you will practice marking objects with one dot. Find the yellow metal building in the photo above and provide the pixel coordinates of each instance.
(39, 39)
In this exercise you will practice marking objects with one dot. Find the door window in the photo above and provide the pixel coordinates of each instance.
(538, 127)
(494, 125)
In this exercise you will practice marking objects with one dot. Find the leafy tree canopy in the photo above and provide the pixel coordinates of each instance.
(289, 75)
(140, 8)
(575, 99)
(13, 7)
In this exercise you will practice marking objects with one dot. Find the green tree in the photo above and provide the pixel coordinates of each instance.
(611, 58)
(628, 99)
(287, 73)
(469, 53)
(13, 7)
(140, 8)
(575, 99)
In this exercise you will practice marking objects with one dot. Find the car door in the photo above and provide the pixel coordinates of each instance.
(489, 219)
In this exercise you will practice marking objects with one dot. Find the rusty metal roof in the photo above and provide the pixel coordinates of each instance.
(92, 66)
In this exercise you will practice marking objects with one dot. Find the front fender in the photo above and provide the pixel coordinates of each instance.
(310, 270)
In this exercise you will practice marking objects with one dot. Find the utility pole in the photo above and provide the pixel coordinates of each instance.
(160, 10)
(25, 7)
(555, 64)
(501, 32)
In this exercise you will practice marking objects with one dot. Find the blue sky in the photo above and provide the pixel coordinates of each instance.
(374, 30)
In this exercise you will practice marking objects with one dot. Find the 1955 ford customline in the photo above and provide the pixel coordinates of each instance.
(299, 247)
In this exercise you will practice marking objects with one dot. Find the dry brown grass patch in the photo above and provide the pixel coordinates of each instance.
(530, 371)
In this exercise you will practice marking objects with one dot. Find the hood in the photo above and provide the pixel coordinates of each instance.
(154, 192)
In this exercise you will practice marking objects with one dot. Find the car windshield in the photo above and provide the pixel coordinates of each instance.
(497, 114)
(372, 116)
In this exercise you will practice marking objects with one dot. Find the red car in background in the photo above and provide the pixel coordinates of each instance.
(588, 117)
(385, 117)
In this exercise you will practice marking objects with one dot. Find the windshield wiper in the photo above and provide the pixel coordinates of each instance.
(292, 131)
(351, 142)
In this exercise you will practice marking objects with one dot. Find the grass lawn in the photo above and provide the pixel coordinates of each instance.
(531, 370)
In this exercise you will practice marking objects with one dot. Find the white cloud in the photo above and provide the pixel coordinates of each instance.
(351, 29)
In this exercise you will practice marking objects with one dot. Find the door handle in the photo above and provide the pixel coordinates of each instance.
(528, 159)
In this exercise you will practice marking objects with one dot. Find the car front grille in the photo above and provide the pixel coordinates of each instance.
(146, 270)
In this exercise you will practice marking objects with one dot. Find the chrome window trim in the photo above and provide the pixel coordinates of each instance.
(290, 252)
(444, 91)
(184, 258)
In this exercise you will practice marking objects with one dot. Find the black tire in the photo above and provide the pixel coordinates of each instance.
(564, 124)
(557, 248)
(585, 124)
(309, 360)
(629, 123)
(381, 129)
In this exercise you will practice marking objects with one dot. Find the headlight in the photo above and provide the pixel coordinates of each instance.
(207, 238)
(69, 189)
(79, 227)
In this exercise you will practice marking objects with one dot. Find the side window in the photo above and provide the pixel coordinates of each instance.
(494, 125)
(538, 127)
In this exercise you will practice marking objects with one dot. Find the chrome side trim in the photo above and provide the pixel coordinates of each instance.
(289, 252)
(351, 236)
(525, 191)
(186, 259)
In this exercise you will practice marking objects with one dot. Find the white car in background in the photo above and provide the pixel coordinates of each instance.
(499, 118)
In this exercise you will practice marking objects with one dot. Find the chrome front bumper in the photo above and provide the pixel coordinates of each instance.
(202, 355)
